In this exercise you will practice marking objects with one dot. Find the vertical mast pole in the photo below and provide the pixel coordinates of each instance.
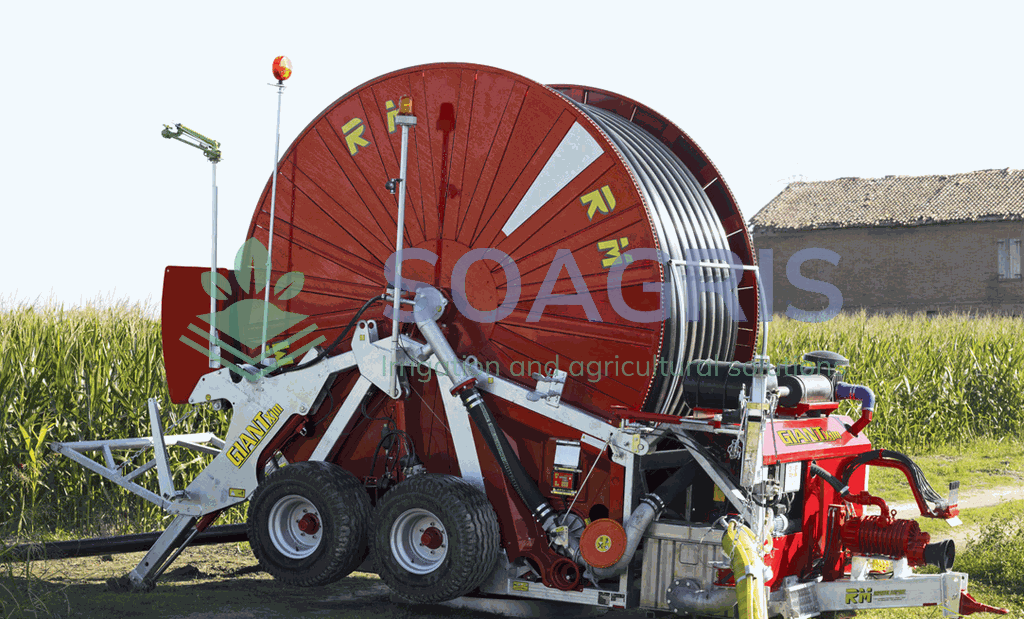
(282, 68)
(405, 120)
(214, 348)
(273, 199)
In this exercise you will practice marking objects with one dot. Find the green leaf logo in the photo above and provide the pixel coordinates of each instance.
(289, 285)
(250, 262)
(219, 291)
(243, 319)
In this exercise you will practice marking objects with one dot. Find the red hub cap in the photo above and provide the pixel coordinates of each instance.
(431, 538)
(309, 524)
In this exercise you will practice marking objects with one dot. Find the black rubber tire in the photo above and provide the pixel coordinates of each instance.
(472, 537)
(344, 509)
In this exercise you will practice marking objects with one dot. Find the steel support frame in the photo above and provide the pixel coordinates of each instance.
(231, 477)
(167, 499)
(907, 590)
(221, 483)
(626, 442)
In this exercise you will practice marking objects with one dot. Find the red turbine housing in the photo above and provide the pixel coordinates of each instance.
(875, 535)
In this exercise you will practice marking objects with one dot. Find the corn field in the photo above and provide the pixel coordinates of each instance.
(72, 375)
(940, 382)
(86, 373)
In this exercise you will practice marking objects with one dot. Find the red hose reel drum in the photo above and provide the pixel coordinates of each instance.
(499, 161)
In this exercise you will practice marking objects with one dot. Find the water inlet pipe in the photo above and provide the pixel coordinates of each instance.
(651, 505)
(846, 391)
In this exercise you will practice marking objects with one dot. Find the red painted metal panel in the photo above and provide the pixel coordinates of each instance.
(816, 437)
(794, 554)
(183, 301)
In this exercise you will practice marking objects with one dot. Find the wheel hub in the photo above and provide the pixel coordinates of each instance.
(432, 538)
(309, 524)
(294, 526)
(419, 541)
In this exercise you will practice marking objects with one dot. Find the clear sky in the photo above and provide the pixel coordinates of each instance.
(95, 202)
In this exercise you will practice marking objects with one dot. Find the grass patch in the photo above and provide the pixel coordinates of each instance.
(986, 463)
(26, 590)
(81, 374)
(996, 555)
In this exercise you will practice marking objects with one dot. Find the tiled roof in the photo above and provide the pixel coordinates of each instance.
(895, 201)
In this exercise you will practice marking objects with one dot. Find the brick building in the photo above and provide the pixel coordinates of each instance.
(901, 243)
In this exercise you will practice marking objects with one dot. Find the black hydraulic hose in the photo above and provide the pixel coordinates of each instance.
(522, 483)
(330, 349)
(352, 323)
(840, 486)
(916, 474)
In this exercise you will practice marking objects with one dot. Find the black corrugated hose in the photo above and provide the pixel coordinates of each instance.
(496, 441)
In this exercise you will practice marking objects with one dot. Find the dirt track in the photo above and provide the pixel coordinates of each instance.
(224, 582)
(985, 497)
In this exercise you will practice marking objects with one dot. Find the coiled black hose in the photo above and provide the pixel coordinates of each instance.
(688, 229)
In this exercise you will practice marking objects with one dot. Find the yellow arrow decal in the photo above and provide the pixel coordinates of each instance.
(597, 202)
(280, 349)
(611, 248)
(392, 109)
(353, 131)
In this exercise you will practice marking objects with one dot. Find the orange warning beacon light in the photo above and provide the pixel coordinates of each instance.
(282, 68)
(405, 105)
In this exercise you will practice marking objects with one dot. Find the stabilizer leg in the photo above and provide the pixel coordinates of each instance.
(163, 552)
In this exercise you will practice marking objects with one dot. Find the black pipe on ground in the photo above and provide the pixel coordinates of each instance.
(223, 534)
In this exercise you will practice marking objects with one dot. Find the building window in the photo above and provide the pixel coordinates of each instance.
(1009, 258)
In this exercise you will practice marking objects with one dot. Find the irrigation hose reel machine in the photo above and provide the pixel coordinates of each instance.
(573, 407)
